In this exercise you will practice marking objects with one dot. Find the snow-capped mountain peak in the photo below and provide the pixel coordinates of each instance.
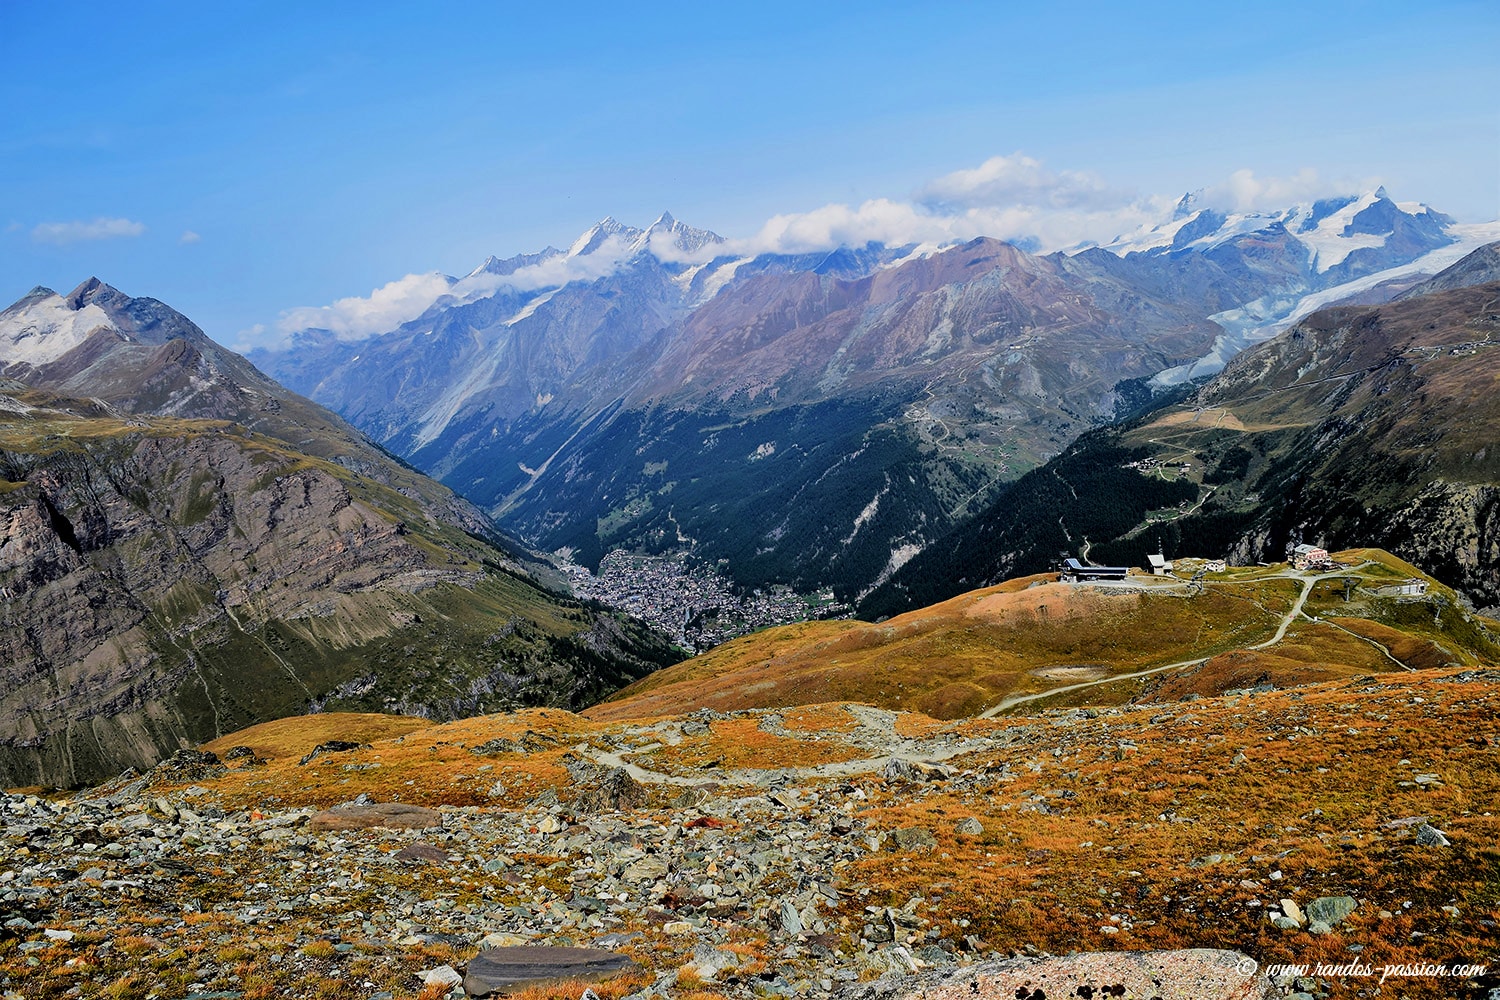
(44, 325)
(667, 234)
(600, 233)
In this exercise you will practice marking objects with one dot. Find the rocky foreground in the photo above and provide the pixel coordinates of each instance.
(818, 851)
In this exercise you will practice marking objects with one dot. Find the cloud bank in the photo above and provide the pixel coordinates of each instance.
(63, 233)
(1018, 198)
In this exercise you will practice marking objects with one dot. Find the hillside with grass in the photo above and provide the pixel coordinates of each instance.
(1035, 641)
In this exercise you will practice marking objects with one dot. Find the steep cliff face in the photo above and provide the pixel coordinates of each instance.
(187, 547)
(164, 587)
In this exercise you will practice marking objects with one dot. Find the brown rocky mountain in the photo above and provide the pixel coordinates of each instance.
(186, 546)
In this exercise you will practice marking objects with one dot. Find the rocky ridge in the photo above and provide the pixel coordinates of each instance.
(187, 548)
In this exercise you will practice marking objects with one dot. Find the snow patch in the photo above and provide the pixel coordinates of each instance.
(47, 329)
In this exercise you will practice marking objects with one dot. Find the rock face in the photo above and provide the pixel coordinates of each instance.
(392, 815)
(168, 574)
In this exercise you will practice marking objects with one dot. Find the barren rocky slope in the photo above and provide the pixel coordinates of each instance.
(829, 850)
(192, 548)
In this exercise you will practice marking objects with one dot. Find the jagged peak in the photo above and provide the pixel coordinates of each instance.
(1187, 204)
(93, 290)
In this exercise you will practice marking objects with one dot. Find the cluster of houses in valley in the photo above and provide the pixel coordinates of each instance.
(695, 605)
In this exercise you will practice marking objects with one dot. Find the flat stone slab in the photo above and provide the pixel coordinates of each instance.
(496, 970)
(1190, 974)
(422, 853)
(395, 815)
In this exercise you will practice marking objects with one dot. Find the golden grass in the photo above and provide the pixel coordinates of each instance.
(1171, 817)
(733, 744)
(294, 737)
(415, 761)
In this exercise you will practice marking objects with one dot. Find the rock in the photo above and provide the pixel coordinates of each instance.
(969, 827)
(496, 746)
(1293, 911)
(499, 940)
(1201, 973)
(549, 825)
(331, 746)
(187, 766)
(911, 838)
(675, 927)
(791, 922)
(422, 852)
(614, 789)
(709, 961)
(1431, 836)
(501, 970)
(900, 769)
(1331, 910)
(443, 975)
(395, 815)
(647, 869)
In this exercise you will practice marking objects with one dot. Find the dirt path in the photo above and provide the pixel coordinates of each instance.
(876, 734)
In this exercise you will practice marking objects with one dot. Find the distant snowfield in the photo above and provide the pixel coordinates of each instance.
(47, 329)
(1268, 316)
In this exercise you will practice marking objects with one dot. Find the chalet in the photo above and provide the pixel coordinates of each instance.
(1073, 571)
(1216, 566)
(1158, 564)
(1305, 556)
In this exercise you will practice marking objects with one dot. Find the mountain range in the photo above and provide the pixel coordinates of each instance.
(186, 546)
(816, 420)
(1361, 425)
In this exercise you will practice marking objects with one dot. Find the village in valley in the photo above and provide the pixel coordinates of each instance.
(696, 606)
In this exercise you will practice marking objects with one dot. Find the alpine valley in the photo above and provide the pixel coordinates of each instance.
(817, 420)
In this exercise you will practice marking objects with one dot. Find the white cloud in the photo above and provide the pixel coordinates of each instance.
(403, 300)
(1021, 180)
(386, 308)
(188, 236)
(63, 233)
(1245, 192)
(898, 223)
(1018, 198)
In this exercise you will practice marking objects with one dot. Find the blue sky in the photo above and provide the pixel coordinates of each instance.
(241, 160)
